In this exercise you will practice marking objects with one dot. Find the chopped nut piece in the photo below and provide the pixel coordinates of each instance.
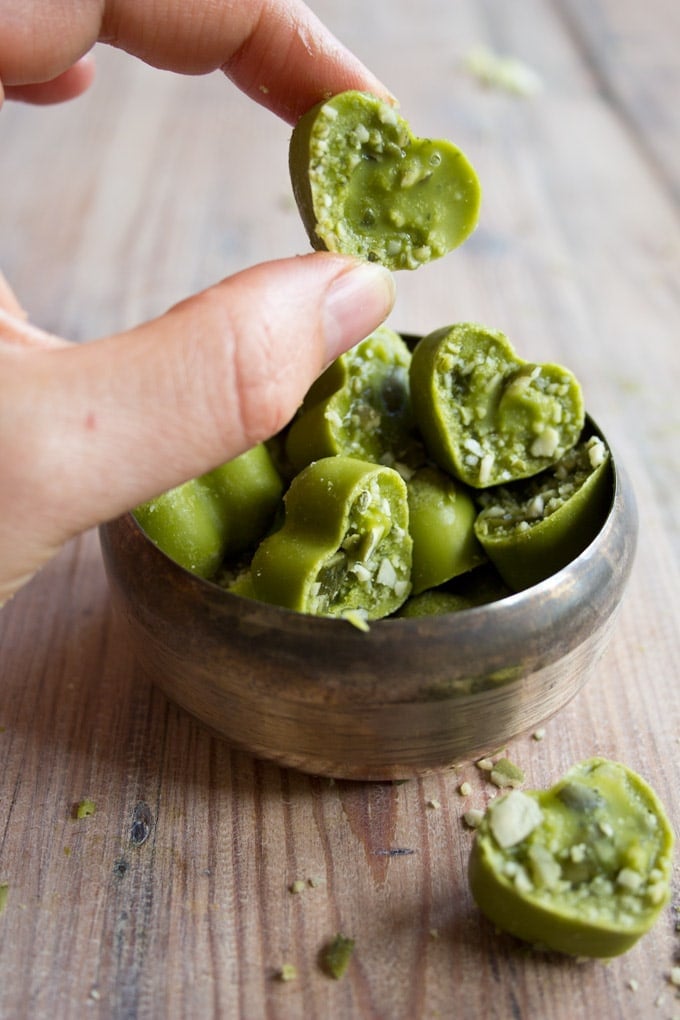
(357, 618)
(465, 789)
(505, 773)
(514, 818)
(629, 879)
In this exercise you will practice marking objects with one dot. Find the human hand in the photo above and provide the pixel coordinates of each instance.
(220, 371)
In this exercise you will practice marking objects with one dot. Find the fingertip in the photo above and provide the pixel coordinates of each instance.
(71, 83)
(356, 303)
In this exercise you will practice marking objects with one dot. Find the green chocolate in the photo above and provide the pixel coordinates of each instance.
(433, 602)
(478, 587)
(344, 545)
(539, 526)
(583, 868)
(360, 406)
(366, 186)
(486, 416)
(248, 491)
(220, 513)
(441, 522)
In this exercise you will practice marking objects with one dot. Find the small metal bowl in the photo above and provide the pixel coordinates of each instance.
(405, 698)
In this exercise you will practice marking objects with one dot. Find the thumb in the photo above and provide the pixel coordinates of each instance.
(89, 431)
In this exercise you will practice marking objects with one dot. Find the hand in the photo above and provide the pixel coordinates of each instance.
(87, 431)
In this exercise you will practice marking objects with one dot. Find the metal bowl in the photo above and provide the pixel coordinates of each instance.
(408, 697)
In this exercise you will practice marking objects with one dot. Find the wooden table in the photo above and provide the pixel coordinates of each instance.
(153, 186)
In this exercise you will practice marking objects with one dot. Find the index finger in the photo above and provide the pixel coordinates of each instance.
(276, 51)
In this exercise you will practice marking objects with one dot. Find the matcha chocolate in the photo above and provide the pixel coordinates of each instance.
(366, 186)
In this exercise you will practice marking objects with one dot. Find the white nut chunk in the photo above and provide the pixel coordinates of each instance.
(513, 817)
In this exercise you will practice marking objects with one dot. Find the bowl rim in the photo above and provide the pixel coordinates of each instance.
(622, 504)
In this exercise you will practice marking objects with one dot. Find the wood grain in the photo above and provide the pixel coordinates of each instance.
(152, 186)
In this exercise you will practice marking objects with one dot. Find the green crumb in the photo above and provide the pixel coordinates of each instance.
(298, 886)
(336, 956)
(4, 891)
(84, 808)
(506, 73)
(506, 773)
(288, 972)
(357, 618)
(67, 851)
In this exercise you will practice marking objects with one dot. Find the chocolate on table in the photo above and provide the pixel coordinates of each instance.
(365, 186)
(583, 868)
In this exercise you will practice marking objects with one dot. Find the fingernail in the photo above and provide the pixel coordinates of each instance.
(356, 303)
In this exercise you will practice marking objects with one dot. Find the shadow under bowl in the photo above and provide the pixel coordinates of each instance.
(408, 697)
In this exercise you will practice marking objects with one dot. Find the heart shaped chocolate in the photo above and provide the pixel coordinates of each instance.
(366, 186)
(486, 416)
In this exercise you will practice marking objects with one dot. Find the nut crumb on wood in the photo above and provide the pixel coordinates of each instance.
(336, 955)
(84, 808)
(506, 774)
